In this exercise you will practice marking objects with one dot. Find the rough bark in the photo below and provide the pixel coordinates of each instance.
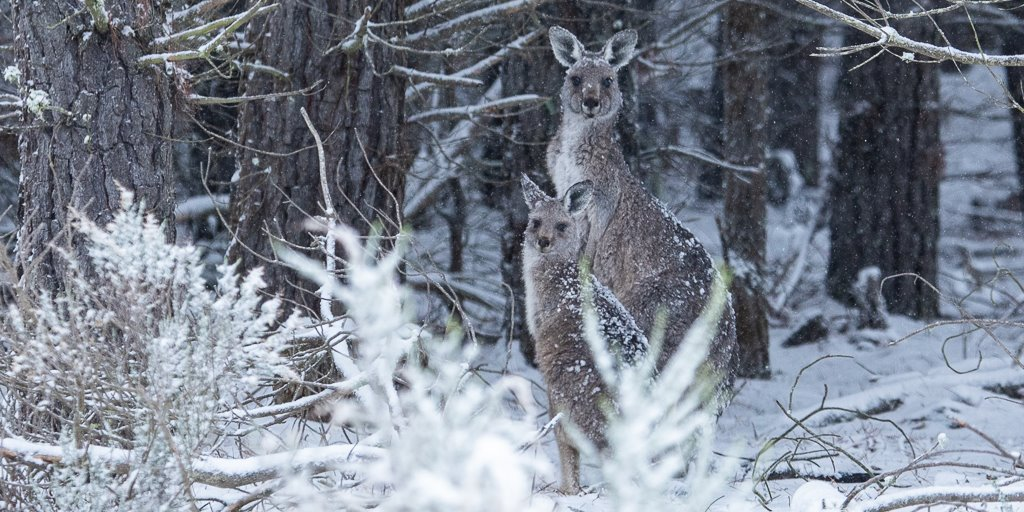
(358, 111)
(885, 193)
(744, 75)
(110, 127)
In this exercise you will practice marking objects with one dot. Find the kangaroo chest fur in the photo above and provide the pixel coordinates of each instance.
(582, 150)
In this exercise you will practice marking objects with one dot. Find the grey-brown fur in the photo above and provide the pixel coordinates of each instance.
(637, 248)
(554, 308)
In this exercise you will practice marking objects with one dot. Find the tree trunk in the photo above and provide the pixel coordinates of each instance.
(1014, 45)
(745, 136)
(358, 111)
(885, 193)
(109, 127)
(794, 102)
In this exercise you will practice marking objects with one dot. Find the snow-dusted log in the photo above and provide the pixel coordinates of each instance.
(941, 495)
(216, 471)
(887, 36)
(471, 111)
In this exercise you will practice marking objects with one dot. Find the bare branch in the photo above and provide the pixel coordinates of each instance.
(486, 108)
(436, 78)
(480, 17)
(887, 37)
(215, 471)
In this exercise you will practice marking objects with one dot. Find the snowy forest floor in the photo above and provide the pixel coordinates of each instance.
(883, 405)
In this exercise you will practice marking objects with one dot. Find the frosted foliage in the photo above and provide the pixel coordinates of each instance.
(659, 429)
(145, 355)
(449, 439)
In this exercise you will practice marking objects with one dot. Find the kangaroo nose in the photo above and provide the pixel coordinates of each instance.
(590, 102)
(543, 242)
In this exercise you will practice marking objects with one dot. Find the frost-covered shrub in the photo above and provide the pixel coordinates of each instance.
(135, 374)
(139, 354)
(450, 440)
(660, 433)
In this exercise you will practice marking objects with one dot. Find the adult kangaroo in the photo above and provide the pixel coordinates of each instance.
(635, 245)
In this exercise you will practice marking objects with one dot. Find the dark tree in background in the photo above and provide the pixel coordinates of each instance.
(745, 34)
(1013, 43)
(885, 193)
(110, 125)
(358, 111)
(793, 101)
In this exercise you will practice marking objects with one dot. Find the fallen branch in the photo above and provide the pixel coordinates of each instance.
(215, 471)
(936, 495)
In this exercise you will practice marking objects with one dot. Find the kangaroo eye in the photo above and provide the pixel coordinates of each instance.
(607, 82)
(535, 224)
(576, 81)
(561, 227)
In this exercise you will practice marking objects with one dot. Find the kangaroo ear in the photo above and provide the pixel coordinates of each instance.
(618, 51)
(567, 48)
(579, 197)
(531, 192)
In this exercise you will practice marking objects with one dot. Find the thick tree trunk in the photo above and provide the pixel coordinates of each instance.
(358, 111)
(744, 135)
(110, 127)
(885, 193)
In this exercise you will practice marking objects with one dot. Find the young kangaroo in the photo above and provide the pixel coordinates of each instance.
(554, 312)
(637, 248)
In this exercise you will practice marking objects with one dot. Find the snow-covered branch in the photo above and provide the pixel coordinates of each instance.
(486, 63)
(480, 109)
(215, 471)
(436, 78)
(705, 156)
(209, 27)
(199, 206)
(214, 44)
(479, 17)
(940, 495)
(888, 37)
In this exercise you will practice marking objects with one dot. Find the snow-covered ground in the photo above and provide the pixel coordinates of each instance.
(942, 403)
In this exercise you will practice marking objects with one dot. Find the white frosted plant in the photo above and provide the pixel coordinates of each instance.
(660, 432)
(450, 441)
(138, 353)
